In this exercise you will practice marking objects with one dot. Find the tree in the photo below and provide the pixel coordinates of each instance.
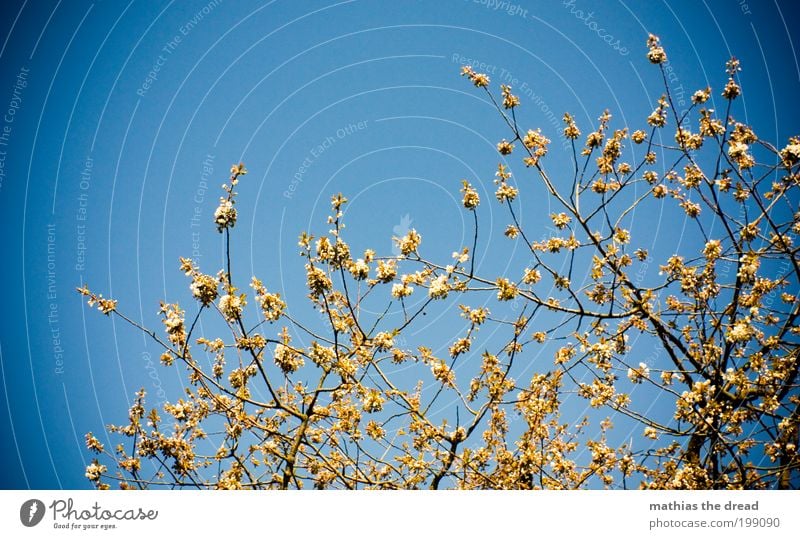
(723, 315)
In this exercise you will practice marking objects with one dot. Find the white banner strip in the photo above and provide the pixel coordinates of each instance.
(618, 514)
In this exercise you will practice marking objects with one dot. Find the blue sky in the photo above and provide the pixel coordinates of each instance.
(122, 118)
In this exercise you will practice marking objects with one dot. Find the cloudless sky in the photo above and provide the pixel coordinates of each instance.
(120, 120)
